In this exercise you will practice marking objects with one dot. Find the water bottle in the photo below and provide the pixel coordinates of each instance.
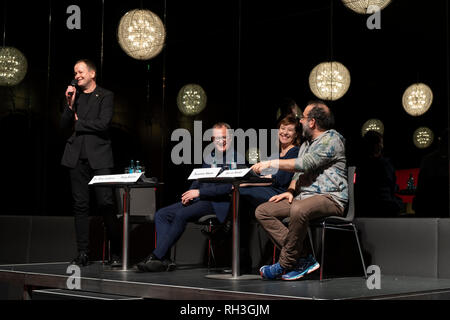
(233, 165)
(132, 168)
(411, 185)
(138, 167)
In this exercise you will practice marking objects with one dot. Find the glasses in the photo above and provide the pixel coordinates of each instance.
(303, 117)
(220, 138)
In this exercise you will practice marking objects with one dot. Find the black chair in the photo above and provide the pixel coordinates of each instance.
(210, 221)
(344, 223)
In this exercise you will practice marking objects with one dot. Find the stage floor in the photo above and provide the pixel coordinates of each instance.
(191, 283)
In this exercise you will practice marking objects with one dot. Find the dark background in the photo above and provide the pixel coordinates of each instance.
(247, 55)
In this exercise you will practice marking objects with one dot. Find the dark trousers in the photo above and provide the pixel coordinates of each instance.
(258, 195)
(80, 177)
(170, 223)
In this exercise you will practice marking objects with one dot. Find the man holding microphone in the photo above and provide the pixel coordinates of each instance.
(88, 152)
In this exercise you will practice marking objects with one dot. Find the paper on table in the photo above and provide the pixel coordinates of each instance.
(117, 178)
(204, 173)
(238, 173)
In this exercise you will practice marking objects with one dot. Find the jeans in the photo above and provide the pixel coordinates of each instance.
(170, 223)
(290, 239)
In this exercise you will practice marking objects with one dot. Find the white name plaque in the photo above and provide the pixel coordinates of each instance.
(204, 173)
(117, 178)
(238, 173)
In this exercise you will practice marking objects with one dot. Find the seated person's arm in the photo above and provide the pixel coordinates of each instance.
(211, 190)
(324, 153)
(285, 164)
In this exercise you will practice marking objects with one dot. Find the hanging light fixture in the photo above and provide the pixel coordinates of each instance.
(141, 34)
(417, 99)
(191, 99)
(361, 6)
(329, 80)
(423, 137)
(372, 125)
(13, 66)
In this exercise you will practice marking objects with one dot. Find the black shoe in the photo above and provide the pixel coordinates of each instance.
(151, 264)
(81, 260)
(115, 261)
(169, 264)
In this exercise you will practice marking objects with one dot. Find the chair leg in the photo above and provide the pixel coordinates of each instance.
(311, 242)
(210, 248)
(212, 254)
(274, 253)
(360, 251)
(104, 246)
(322, 260)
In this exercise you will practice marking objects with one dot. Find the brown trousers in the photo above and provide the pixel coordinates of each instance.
(290, 239)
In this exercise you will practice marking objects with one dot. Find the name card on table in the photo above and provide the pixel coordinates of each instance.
(117, 178)
(204, 173)
(238, 173)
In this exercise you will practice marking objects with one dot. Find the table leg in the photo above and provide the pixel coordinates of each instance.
(235, 267)
(126, 212)
(236, 272)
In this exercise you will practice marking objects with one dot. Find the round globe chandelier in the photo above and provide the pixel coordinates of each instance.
(329, 80)
(423, 137)
(191, 99)
(13, 66)
(372, 125)
(362, 6)
(141, 34)
(417, 99)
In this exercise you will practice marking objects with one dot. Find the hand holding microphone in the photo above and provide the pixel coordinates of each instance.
(71, 93)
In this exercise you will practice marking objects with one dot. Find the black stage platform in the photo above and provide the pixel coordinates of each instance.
(191, 283)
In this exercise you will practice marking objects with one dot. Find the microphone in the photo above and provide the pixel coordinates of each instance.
(73, 83)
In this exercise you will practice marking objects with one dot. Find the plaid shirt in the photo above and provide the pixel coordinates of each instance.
(321, 168)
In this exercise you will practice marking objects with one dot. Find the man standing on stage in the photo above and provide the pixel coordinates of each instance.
(88, 152)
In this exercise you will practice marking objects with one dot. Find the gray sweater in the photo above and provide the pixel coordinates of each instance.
(321, 168)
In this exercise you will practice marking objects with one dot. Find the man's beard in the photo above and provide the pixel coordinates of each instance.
(306, 135)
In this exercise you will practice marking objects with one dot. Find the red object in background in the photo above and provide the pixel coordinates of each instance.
(402, 182)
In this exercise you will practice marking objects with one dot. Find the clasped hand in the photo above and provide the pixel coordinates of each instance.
(260, 166)
(189, 195)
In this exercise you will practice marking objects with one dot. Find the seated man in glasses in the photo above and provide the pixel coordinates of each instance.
(318, 189)
(199, 200)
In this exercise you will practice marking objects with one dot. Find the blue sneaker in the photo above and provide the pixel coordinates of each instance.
(271, 272)
(305, 266)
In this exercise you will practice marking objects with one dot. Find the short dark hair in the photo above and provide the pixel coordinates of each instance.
(90, 64)
(221, 124)
(290, 119)
(322, 114)
(373, 142)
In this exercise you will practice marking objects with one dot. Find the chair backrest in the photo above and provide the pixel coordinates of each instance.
(350, 209)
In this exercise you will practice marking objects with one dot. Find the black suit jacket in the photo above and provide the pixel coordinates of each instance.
(93, 126)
